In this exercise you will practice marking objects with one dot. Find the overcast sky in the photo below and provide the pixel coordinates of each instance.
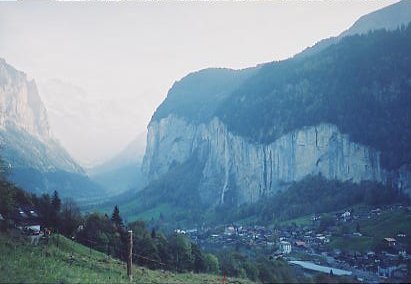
(122, 57)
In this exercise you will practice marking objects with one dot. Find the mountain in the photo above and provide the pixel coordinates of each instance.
(36, 160)
(228, 137)
(123, 171)
(69, 106)
(389, 18)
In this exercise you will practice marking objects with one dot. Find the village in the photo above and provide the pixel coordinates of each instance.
(310, 246)
(312, 249)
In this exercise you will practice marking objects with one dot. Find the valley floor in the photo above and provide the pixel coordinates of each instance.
(355, 243)
(64, 261)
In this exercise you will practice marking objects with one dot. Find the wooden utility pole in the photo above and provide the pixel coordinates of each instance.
(130, 255)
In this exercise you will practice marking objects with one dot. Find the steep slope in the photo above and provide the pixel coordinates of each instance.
(389, 18)
(65, 261)
(361, 85)
(198, 95)
(37, 161)
(342, 112)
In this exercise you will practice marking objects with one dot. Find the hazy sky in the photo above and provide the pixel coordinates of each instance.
(124, 56)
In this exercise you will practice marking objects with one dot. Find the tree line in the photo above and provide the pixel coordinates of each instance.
(361, 84)
(313, 195)
(151, 248)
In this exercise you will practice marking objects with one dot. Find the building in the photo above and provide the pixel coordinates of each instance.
(346, 215)
(27, 220)
(390, 242)
(285, 247)
(230, 230)
(2, 223)
(301, 244)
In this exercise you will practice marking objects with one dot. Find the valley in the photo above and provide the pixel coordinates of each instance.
(290, 171)
(354, 243)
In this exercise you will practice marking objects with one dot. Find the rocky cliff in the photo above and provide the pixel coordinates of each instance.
(341, 112)
(24, 127)
(36, 161)
(20, 104)
(254, 170)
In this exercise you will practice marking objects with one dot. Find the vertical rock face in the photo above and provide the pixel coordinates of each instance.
(258, 132)
(248, 170)
(20, 103)
(37, 162)
(24, 128)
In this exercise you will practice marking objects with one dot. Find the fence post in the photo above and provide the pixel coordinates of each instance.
(130, 255)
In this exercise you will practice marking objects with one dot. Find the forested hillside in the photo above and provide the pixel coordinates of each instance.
(362, 85)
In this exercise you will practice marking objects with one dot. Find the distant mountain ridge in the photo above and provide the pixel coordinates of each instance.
(123, 171)
(37, 160)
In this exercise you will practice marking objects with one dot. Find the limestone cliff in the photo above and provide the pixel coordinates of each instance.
(254, 170)
(35, 159)
(340, 112)
(20, 104)
(24, 128)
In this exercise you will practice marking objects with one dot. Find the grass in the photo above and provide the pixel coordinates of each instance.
(361, 244)
(21, 262)
(374, 230)
(128, 211)
(307, 219)
(300, 221)
(164, 208)
(388, 224)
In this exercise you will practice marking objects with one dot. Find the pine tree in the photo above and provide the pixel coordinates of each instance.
(153, 233)
(358, 228)
(116, 218)
(56, 202)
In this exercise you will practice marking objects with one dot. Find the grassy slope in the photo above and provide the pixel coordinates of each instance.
(128, 211)
(21, 262)
(388, 224)
(162, 208)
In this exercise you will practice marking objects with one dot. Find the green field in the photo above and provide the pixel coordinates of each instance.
(154, 213)
(374, 230)
(300, 221)
(21, 262)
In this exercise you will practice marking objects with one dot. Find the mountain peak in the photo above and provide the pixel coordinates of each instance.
(20, 104)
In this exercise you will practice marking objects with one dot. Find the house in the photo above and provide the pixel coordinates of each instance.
(27, 220)
(230, 230)
(285, 247)
(301, 244)
(370, 254)
(390, 242)
(316, 218)
(2, 222)
(376, 211)
(402, 253)
(346, 215)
